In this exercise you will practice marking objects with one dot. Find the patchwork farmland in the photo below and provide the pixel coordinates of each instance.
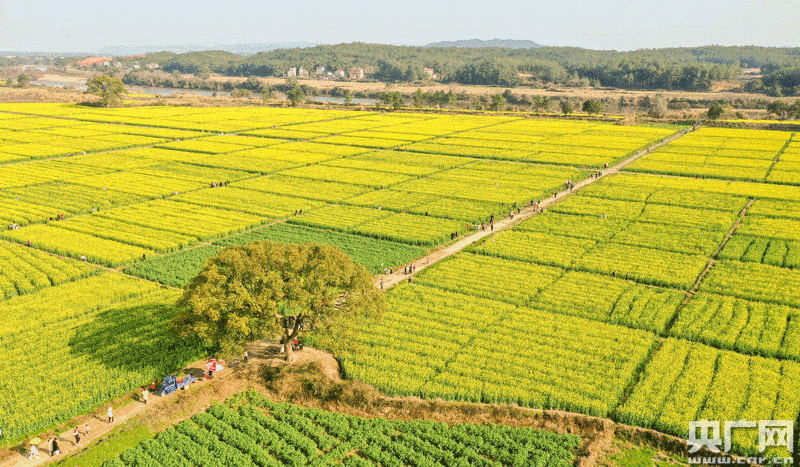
(664, 293)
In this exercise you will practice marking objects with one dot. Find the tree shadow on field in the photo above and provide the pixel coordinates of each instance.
(136, 340)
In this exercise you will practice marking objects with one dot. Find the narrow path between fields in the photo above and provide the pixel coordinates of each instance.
(712, 260)
(169, 409)
(386, 281)
(162, 412)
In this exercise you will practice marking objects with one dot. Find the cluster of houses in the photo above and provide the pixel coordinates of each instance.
(107, 61)
(355, 73)
(99, 61)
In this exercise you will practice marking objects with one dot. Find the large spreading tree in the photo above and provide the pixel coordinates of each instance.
(110, 90)
(268, 289)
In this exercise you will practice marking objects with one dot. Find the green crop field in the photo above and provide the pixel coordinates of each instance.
(662, 294)
(251, 430)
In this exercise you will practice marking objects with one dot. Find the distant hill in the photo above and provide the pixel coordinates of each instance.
(475, 43)
(239, 49)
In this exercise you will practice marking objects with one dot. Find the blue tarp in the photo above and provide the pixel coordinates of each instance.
(171, 384)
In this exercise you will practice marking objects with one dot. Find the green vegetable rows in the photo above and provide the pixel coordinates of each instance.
(251, 430)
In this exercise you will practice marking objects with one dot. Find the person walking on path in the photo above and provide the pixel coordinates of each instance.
(246, 355)
(77, 435)
(54, 449)
(34, 453)
(146, 393)
(381, 283)
(110, 414)
(87, 430)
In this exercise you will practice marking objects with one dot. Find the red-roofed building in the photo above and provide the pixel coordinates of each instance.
(357, 73)
(90, 61)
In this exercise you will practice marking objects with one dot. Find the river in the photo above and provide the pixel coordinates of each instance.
(198, 92)
(135, 89)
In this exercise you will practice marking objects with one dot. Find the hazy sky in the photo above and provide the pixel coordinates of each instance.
(78, 25)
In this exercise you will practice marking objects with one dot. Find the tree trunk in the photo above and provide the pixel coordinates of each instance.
(288, 350)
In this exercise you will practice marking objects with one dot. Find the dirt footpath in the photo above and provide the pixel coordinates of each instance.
(507, 222)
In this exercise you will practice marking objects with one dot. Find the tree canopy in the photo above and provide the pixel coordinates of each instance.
(715, 111)
(23, 80)
(296, 95)
(395, 99)
(498, 103)
(268, 289)
(110, 90)
(591, 106)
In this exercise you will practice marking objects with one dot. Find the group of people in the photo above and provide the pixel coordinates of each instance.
(218, 184)
(614, 274)
(13, 226)
(296, 345)
(55, 449)
(53, 443)
(76, 433)
(407, 270)
(536, 208)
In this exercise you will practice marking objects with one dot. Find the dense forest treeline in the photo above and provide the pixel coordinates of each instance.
(689, 69)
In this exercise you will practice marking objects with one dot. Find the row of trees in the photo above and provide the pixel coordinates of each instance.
(785, 110)
(22, 80)
(110, 90)
(691, 69)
